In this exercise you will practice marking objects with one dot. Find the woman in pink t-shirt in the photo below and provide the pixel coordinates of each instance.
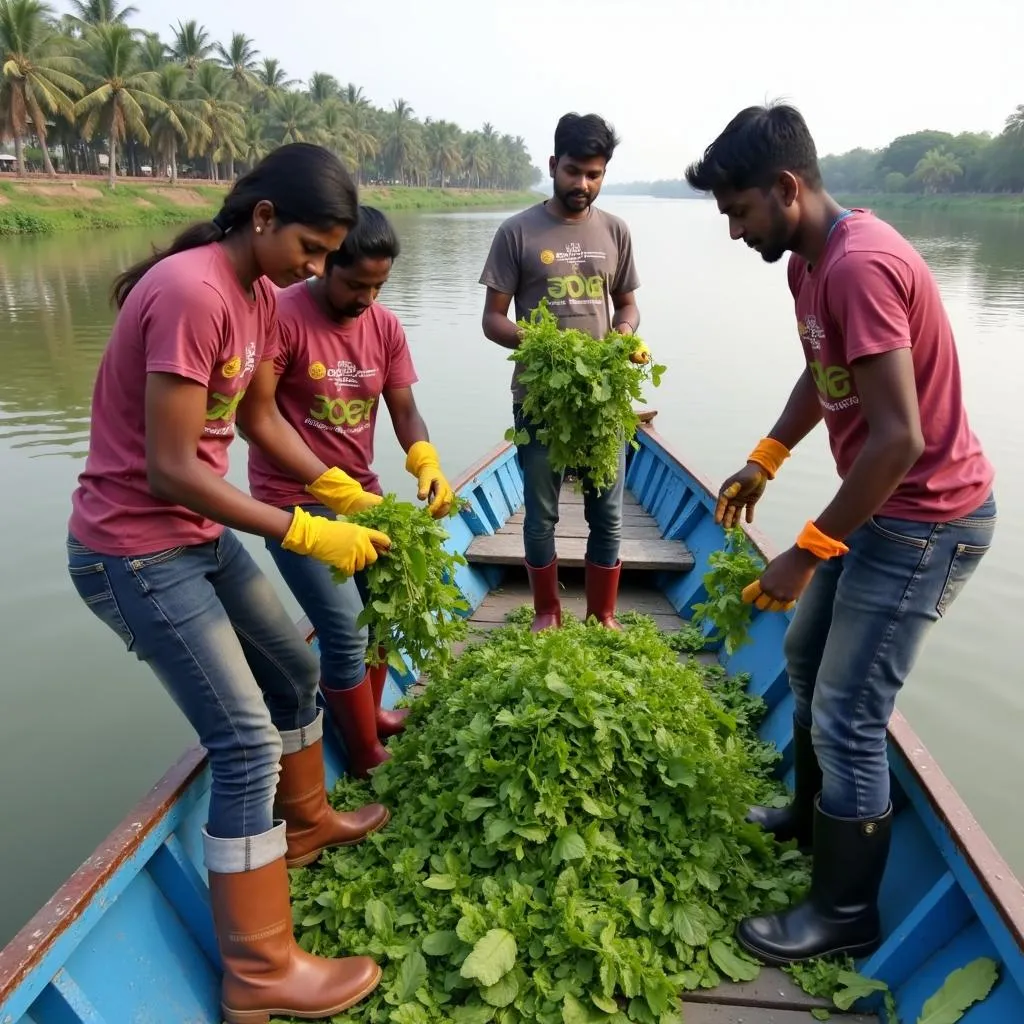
(152, 554)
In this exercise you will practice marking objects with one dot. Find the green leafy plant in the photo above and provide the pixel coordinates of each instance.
(413, 604)
(567, 843)
(579, 394)
(837, 980)
(735, 566)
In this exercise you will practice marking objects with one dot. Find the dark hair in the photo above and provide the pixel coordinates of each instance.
(756, 146)
(372, 238)
(584, 136)
(307, 185)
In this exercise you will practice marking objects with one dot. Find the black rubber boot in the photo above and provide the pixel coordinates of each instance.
(841, 913)
(796, 819)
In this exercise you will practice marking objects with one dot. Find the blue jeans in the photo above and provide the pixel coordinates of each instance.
(332, 608)
(208, 622)
(856, 633)
(541, 486)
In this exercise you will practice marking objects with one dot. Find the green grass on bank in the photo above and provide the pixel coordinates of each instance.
(982, 203)
(43, 206)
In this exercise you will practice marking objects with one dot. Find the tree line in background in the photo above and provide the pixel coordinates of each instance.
(926, 162)
(87, 91)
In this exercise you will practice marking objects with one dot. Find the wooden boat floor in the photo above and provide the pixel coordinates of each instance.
(773, 998)
(642, 547)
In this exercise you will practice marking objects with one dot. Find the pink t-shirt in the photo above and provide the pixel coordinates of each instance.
(331, 379)
(187, 316)
(870, 293)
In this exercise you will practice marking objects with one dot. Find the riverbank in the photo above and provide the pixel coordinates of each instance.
(40, 206)
(970, 203)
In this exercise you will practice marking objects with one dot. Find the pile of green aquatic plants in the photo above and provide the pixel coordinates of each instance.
(413, 604)
(580, 392)
(568, 842)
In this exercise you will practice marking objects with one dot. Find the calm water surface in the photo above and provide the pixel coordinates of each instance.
(85, 729)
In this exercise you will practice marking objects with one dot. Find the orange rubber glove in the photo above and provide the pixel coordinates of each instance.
(424, 464)
(341, 494)
(344, 545)
(742, 491)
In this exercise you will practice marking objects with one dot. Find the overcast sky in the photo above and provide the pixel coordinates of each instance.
(668, 75)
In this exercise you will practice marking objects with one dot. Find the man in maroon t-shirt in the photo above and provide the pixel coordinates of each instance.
(912, 519)
(340, 354)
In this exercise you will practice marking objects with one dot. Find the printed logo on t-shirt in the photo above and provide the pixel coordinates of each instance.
(341, 416)
(811, 331)
(547, 257)
(574, 254)
(343, 374)
(232, 368)
(220, 413)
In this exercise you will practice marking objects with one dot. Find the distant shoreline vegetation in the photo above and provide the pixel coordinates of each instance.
(42, 206)
(929, 168)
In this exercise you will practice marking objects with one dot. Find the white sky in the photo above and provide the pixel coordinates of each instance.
(668, 75)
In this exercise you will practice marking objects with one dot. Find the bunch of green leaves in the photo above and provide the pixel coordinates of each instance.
(412, 604)
(568, 842)
(837, 980)
(579, 395)
(734, 567)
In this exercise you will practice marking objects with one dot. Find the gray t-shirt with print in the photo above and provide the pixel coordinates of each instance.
(576, 264)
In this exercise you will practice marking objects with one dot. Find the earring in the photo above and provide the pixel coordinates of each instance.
(259, 231)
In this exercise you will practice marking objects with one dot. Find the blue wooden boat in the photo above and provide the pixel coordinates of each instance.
(129, 938)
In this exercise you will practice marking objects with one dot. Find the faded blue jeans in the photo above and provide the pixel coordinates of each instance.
(541, 486)
(332, 608)
(209, 623)
(856, 633)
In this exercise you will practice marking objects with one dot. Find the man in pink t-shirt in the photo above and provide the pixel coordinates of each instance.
(909, 524)
(339, 354)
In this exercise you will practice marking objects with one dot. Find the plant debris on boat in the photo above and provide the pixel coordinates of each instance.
(567, 841)
(579, 394)
(413, 604)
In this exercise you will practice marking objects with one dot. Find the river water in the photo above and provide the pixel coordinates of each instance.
(85, 729)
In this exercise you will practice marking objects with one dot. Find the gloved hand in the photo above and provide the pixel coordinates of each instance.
(743, 490)
(424, 464)
(344, 545)
(641, 354)
(341, 494)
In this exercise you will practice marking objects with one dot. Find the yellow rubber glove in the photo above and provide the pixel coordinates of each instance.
(641, 354)
(341, 494)
(344, 545)
(424, 464)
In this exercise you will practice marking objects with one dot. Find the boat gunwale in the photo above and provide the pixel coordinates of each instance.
(32, 943)
(983, 859)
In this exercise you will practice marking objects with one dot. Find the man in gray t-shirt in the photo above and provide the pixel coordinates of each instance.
(578, 258)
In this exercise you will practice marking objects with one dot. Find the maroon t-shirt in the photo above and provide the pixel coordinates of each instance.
(871, 292)
(330, 380)
(188, 316)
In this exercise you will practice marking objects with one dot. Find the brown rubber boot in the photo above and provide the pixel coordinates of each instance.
(602, 587)
(355, 716)
(547, 608)
(266, 974)
(389, 723)
(311, 824)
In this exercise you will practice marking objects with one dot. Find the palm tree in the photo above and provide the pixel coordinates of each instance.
(37, 75)
(362, 143)
(323, 87)
(441, 139)
(86, 13)
(239, 59)
(937, 170)
(271, 78)
(223, 115)
(353, 96)
(398, 145)
(122, 92)
(180, 123)
(191, 45)
(293, 118)
(152, 52)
